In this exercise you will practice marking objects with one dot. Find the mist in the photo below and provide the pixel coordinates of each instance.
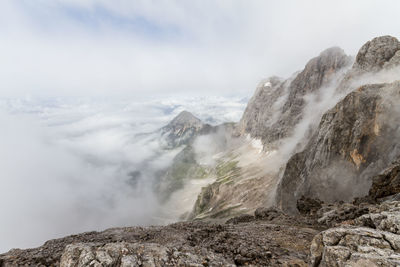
(70, 166)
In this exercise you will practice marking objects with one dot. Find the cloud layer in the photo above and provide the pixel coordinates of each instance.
(146, 48)
(74, 165)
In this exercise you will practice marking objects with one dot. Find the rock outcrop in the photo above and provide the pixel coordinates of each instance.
(378, 53)
(370, 240)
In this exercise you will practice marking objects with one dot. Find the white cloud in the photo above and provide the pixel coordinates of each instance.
(70, 47)
(65, 164)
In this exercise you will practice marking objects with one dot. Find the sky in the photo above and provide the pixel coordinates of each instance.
(163, 48)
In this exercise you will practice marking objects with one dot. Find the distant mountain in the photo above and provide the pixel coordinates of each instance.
(182, 130)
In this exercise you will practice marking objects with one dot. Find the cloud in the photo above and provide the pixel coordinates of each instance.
(147, 48)
(74, 165)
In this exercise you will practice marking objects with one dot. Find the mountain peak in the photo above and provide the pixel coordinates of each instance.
(182, 129)
(332, 51)
(186, 118)
(374, 54)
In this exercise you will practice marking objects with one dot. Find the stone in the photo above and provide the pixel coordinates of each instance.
(376, 53)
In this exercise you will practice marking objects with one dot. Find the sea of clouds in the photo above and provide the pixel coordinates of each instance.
(68, 165)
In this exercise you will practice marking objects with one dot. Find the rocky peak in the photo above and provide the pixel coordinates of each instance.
(317, 72)
(186, 119)
(378, 53)
(182, 130)
(276, 109)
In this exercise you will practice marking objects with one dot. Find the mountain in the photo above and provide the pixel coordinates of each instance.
(277, 106)
(355, 140)
(309, 176)
(182, 130)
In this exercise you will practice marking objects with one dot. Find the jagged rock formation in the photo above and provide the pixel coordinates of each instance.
(277, 105)
(353, 142)
(182, 130)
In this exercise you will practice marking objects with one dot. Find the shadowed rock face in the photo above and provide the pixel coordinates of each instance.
(386, 183)
(354, 142)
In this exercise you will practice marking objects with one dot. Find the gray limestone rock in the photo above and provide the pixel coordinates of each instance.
(378, 53)
(354, 142)
(373, 240)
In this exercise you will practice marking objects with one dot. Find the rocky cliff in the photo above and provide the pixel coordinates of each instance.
(278, 105)
(355, 140)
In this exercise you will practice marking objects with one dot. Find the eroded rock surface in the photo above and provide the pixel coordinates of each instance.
(354, 142)
(378, 53)
(371, 240)
(252, 243)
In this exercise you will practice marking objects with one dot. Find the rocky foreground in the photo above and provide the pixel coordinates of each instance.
(363, 234)
(250, 240)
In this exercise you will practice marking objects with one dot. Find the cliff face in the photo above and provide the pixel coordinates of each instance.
(247, 177)
(277, 106)
(355, 139)
(354, 142)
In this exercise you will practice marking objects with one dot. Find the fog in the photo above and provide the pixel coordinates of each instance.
(69, 166)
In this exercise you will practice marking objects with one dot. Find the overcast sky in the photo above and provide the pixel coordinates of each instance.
(198, 47)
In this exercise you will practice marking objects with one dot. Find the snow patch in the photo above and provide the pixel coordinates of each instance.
(267, 84)
(255, 143)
